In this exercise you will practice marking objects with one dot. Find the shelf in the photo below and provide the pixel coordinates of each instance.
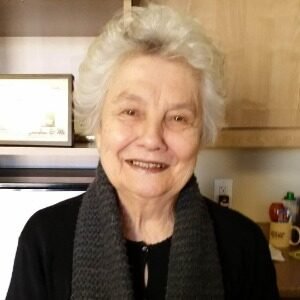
(54, 179)
(78, 157)
(40, 150)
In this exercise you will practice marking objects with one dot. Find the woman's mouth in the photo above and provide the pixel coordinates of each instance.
(147, 165)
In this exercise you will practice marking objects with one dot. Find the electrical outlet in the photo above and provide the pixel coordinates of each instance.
(223, 187)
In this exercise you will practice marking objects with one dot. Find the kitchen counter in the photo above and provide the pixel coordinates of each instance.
(288, 277)
(288, 272)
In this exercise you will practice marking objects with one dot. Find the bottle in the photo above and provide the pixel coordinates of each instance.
(295, 236)
(297, 221)
(290, 202)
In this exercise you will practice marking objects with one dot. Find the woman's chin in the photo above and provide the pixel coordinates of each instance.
(149, 192)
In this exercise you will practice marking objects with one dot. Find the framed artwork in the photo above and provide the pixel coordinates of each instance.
(36, 109)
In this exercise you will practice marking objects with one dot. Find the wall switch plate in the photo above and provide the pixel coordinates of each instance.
(223, 186)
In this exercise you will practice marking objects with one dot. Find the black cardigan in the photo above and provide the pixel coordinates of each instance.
(43, 263)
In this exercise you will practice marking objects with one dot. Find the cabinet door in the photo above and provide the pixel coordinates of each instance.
(261, 43)
(74, 18)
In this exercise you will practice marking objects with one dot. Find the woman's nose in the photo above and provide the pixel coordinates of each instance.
(152, 136)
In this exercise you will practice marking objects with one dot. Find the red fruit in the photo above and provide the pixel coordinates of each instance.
(274, 210)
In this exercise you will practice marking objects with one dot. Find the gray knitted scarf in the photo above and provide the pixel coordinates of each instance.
(100, 267)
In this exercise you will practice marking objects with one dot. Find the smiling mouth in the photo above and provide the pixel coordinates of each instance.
(151, 166)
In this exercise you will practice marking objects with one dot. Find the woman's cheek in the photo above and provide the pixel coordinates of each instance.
(186, 146)
(120, 135)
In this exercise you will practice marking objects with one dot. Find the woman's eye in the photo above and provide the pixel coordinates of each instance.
(130, 112)
(179, 119)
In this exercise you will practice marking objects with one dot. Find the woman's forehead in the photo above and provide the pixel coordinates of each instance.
(152, 77)
(142, 99)
(147, 63)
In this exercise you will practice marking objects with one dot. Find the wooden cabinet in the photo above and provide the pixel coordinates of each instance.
(261, 43)
(57, 17)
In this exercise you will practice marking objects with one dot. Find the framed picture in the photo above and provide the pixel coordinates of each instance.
(36, 109)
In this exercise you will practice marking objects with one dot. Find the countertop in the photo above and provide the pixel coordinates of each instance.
(288, 277)
(288, 271)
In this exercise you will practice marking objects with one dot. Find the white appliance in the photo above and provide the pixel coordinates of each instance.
(16, 207)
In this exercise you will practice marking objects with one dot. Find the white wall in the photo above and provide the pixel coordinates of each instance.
(42, 54)
(259, 176)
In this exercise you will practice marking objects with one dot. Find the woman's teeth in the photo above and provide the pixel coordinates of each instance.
(148, 165)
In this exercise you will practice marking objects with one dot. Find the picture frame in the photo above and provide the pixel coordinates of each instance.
(36, 109)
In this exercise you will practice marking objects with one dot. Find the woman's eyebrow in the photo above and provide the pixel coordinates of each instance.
(185, 105)
(125, 96)
(189, 105)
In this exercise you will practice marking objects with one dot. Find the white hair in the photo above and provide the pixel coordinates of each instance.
(154, 29)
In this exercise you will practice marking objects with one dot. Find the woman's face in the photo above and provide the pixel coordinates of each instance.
(149, 135)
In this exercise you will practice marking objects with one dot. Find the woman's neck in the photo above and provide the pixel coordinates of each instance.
(150, 220)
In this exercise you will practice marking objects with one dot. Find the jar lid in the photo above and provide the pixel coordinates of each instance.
(289, 196)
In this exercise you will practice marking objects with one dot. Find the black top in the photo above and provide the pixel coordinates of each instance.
(156, 256)
(43, 264)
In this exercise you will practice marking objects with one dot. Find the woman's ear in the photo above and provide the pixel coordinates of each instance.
(98, 140)
(98, 137)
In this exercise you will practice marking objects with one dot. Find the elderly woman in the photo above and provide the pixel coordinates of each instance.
(150, 89)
